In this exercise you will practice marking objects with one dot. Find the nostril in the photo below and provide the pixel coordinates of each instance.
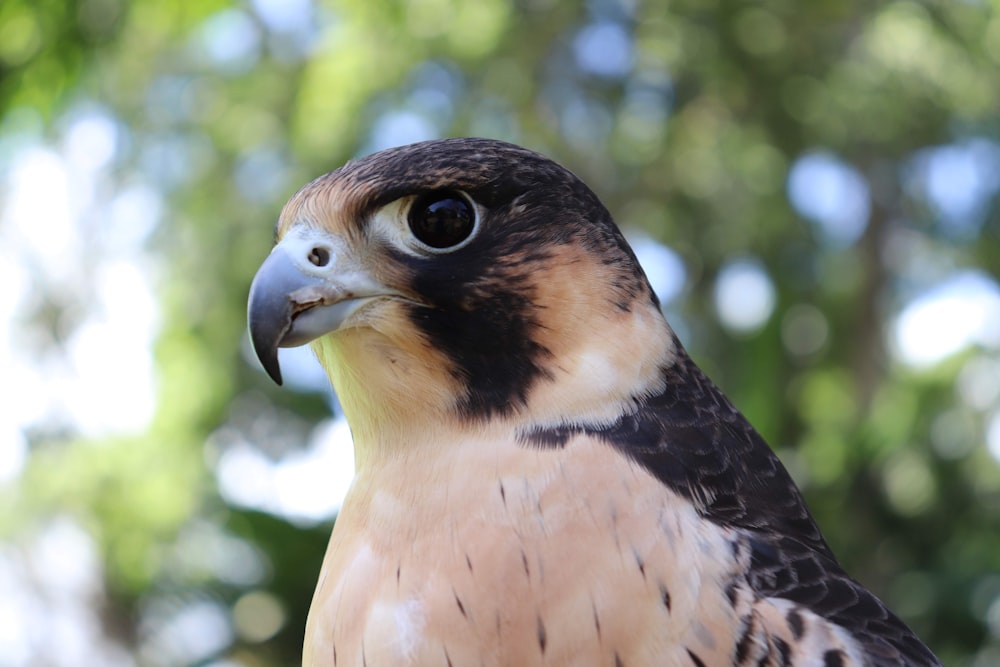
(319, 256)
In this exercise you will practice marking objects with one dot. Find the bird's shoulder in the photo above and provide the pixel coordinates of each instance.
(692, 439)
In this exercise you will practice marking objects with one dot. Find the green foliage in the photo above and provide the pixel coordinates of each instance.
(691, 141)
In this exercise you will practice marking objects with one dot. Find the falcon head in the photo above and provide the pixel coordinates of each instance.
(461, 281)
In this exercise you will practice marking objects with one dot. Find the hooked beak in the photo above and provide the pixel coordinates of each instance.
(307, 287)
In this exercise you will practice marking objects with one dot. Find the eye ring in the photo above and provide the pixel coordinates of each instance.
(442, 220)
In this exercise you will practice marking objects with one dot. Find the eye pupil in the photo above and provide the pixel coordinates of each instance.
(441, 220)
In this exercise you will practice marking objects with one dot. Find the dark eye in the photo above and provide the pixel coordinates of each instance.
(442, 219)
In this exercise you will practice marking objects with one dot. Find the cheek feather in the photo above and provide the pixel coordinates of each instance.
(603, 356)
(485, 325)
(598, 368)
(387, 377)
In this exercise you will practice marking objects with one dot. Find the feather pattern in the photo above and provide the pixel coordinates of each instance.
(691, 438)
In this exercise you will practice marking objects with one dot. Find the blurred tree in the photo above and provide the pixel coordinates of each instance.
(825, 175)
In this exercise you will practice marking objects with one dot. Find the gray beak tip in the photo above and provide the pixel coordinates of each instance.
(264, 339)
(269, 360)
(269, 313)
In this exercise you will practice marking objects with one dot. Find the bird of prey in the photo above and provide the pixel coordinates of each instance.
(543, 475)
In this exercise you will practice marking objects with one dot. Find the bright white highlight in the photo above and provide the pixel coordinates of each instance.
(132, 216)
(744, 296)
(40, 210)
(189, 634)
(993, 436)
(664, 267)
(112, 387)
(604, 49)
(959, 180)
(398, 128)
(49, 610)
(832, 194)
(284, 15)
(13, 445)
(101, 380)
(963, 310)
(91, 141)
(231, 41)
(306, 486)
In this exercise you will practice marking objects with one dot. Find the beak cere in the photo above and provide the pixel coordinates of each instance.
(292, 303)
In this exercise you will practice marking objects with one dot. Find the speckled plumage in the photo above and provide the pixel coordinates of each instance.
(543, 474)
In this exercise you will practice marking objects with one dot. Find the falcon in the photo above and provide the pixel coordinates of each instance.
(543, 475)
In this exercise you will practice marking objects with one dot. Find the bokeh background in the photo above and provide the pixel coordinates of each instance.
(812, 186)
